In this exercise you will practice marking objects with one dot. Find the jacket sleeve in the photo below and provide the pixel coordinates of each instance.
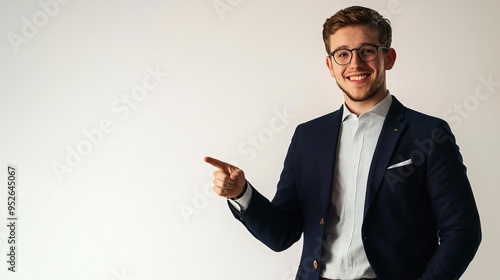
(277, 224)
(454, 208)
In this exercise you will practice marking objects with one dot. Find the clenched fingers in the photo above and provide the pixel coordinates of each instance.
(223, 181)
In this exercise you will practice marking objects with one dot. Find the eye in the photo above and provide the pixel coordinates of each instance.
(342, 53)
(367, 51)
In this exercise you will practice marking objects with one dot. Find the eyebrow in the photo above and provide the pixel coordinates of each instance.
(347, 47)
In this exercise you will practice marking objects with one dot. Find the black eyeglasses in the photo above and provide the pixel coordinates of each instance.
(367, 53)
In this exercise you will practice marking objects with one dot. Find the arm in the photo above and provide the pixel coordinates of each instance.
(278, 224)
(454, 208)
(276, 227)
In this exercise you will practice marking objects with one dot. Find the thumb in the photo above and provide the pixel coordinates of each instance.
(235, 174)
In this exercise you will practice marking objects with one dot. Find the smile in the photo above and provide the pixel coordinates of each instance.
(358, 78)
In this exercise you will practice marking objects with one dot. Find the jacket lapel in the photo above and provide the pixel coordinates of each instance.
(392, 129)
(331, 136)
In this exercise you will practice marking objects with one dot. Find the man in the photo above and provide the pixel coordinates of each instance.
(379, 191)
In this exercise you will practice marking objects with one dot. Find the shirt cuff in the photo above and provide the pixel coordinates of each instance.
(241, 204)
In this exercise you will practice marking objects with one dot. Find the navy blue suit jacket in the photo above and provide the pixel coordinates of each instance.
(420, 220)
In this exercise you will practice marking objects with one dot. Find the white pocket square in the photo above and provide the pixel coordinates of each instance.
(399, 164)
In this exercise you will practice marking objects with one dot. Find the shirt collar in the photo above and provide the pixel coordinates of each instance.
(381, 109)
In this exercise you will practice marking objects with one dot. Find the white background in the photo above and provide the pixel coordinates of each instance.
(137, 204)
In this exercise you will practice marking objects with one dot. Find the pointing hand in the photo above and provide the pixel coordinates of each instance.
(229, 180)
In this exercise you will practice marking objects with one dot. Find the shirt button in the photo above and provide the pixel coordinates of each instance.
(322, 221)
(315, 264)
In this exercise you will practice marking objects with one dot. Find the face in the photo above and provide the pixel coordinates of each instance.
(361, 82)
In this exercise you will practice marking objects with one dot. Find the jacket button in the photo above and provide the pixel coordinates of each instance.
(322, 221)
(315, 264)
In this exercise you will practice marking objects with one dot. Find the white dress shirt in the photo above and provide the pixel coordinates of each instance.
(344, 256)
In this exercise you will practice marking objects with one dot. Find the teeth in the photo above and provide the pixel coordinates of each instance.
(357, 78)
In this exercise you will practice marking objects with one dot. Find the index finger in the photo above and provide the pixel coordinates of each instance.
(217, 163)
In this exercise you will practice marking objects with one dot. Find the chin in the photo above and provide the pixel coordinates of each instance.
(360, 97)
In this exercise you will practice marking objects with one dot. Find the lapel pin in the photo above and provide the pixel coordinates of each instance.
(395, 130)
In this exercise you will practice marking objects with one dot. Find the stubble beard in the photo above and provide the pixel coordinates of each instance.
(372, 91)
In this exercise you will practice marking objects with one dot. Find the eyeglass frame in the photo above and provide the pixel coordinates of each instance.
(357, 50)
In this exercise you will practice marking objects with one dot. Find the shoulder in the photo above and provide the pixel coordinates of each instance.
(419, 125)
(421, 118)
(322, 122)
(416, 120)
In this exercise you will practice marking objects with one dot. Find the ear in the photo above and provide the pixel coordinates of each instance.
(390, 59)
(330, 66)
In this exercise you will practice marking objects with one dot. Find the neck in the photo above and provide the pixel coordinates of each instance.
(360, 107)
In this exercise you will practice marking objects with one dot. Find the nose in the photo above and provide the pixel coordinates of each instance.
(356, 60)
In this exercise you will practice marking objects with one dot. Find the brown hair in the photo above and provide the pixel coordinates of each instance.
(357, 15)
